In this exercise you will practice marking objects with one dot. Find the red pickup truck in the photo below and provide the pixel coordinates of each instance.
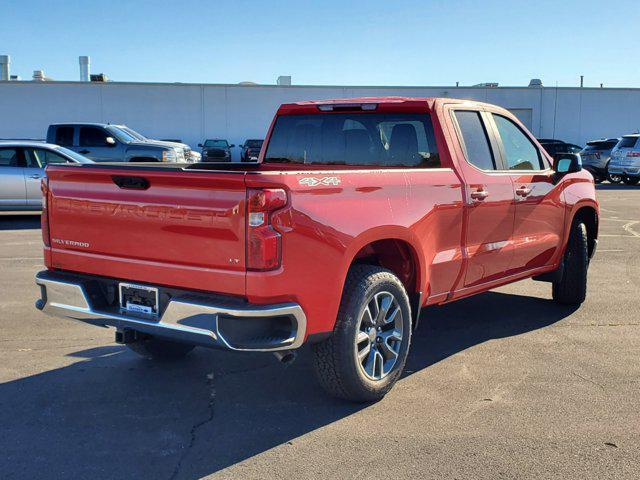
(358, 213)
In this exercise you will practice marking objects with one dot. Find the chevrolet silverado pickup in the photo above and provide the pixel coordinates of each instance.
(357, 214)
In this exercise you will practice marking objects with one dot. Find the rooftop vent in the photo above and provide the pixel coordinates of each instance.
(5, 67)
(487, 85)
(39, 76)
(535, 83)
(284, 80)
(99, 77)
(85, 66)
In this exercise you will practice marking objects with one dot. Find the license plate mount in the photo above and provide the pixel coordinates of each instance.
(139, 299)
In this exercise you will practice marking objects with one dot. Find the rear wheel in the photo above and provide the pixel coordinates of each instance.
(613, 177)
(571, 288)
(157, 349)
(367, 352)
(630, 181)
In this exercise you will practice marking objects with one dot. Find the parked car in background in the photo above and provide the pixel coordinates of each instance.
(357, 214)
(216, 150)
(22, 165)
(190, 155)
(625, 159)
(102, 142)
(557, 147)
(595, 158)
(250, 150)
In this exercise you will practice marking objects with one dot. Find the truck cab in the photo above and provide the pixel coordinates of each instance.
(109, 143)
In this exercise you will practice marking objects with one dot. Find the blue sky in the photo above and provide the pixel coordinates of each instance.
(328, 42)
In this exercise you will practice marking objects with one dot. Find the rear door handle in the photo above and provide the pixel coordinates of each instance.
(479, 195)
(523, 191)
(35, 176)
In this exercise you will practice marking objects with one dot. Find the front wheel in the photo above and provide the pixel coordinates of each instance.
(367, 352)
(571, 288)
(630, 181)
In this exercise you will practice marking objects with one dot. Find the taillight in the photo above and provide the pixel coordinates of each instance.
(264, 243)
(44, 217)
(633, 154)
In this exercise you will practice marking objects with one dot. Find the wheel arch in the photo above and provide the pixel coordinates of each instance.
(588, 214)
(396, 251)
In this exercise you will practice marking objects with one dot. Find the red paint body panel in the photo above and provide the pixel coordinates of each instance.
(188, 228)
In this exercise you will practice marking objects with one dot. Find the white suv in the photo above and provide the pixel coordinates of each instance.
(625, 159)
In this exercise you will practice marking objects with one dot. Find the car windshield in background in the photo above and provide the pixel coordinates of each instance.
(71, 154)
(133, 133)
(354, 139)
(627, 142)
(597, 145)
(121, 134)
(216, 143)
(253, 143)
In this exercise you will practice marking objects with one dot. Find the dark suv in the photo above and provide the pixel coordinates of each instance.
(216, 150)
(250, 150)
(556, 147)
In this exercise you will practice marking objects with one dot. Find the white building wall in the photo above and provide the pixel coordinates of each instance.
(192, 112)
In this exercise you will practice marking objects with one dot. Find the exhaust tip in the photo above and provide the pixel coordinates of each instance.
(286, 357)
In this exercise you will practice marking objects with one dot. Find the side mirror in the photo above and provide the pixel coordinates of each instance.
(110, 141)
(200, 145)
(567, 163)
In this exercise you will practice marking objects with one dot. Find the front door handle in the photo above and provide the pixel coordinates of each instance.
(523, 191)
(84, 152)
(35, 176)
(479, 195)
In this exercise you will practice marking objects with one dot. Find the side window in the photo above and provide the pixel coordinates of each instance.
(520, 153)
(93, 137)
(475, 140)
(9, 157)
(64, 136)
(40, 158)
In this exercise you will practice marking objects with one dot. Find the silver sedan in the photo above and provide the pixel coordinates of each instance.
(22, 165)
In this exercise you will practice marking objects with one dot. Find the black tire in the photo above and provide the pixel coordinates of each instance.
(338, 368)
(613, 178)
(630, 181)
(157, 349)
(571, 289)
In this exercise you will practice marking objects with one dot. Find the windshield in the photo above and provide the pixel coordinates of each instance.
(253, 143)
(216, 143)
(120, 134)
(71, 154)
(133, 133)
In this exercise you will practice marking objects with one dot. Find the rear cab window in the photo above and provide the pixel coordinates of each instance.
(9, 157)
(359, 139)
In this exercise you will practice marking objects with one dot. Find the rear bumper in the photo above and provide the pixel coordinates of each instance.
(189, 317)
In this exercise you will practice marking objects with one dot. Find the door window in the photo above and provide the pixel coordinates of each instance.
(475, 140)
(9, 157)
(64, 136)
(520, 153)
(40, 158)
(93, 137)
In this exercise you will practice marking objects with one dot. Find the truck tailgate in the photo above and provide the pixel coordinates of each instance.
(167, 227)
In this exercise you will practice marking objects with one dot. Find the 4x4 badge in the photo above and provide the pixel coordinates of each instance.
(315, 181)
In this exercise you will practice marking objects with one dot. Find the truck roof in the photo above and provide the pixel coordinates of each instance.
(383, 103)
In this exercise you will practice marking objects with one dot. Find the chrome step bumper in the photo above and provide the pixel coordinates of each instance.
(190, 318)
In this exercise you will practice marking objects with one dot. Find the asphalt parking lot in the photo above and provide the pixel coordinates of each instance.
(503, 385)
